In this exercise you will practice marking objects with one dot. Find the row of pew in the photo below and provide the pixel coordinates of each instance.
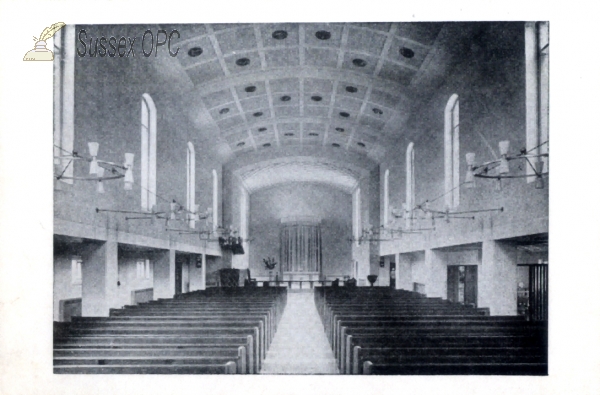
(217, 331)
(384, 331)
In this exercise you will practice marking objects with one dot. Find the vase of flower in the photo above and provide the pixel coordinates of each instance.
(270, 265)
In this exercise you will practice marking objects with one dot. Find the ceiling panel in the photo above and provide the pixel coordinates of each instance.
(321, 57)
(283, 57)
(218, 99)
(206, 72)
(230, 122)
(368, 41)
(316, 111)
(334, 29)
(287, 111)
(317, 85)
(384, 27)
(291, 29)
(251, 89)
(255, 103)
(285, 85)
(347, 88)
(352, 59)
(203, 43)
(234, 68)
(347, 103)
(236, 40)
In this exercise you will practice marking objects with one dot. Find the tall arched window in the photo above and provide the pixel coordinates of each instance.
(191, 183)
(148, 157)
(386, 196)
(64, 100)
(537, 49)
(451, 153)
(410, 183)
(215, 197)
(356, 221)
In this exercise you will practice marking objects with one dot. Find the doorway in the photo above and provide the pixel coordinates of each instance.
(532, 292)
(462, 284)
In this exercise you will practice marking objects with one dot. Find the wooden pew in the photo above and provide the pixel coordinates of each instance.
(222, 368)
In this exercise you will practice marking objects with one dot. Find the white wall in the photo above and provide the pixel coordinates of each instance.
(63, 289)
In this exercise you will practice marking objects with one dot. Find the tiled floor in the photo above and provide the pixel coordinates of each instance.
(300, 345)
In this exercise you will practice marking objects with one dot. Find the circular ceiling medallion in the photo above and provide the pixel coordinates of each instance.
(224, 111)
(279, 34)
(242, 62)
(359, 62)
(316, 98)
(323, 35)
(285, 98)
(361, 144)
(407, 52)
(313, 134)
(341, 130)
(377, 111)
(288, 134)
(266, 144)
(344, 114)
(351, 89)
(250, 89)
(196, 51)
(258, 114)
(336, 145)
(241, 144)
(262, 129)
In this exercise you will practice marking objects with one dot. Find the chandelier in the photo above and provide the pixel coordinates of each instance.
(176, 213)
(500, 168)
(100, 170)
(423, 212)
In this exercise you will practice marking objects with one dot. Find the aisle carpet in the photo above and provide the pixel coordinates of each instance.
(300, 345)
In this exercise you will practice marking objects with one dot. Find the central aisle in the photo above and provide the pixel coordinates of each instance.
(300, 345)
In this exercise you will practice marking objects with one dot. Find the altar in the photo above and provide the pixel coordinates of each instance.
(300, 276)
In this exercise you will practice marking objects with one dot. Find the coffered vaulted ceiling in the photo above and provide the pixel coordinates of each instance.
(328, 86)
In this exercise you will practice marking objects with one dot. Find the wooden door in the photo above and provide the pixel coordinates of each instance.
(538, 292)
(462, 284)
(452, 283)
(471, 285)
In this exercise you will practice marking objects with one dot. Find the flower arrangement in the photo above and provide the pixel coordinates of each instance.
(270, 263)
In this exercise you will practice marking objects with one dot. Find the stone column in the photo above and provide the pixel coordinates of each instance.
(164, 274)
(497, 278)
(99, 279)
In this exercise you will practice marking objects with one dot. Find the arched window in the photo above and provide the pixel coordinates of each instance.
(451, 153)
(386, 196)
(191, 183)
(215, 202)
(537, 49)
(148, 157)
(356, 222)
(410, 183)
(64, 100)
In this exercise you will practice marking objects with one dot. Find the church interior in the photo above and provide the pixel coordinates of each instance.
(301, 198)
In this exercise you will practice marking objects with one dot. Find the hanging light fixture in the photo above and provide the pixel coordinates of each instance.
(500, 169)
(100, 170)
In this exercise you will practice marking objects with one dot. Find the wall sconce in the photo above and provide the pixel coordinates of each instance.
(97, 168)
(500, 168)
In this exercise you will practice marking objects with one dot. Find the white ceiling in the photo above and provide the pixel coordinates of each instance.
(342, 85)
